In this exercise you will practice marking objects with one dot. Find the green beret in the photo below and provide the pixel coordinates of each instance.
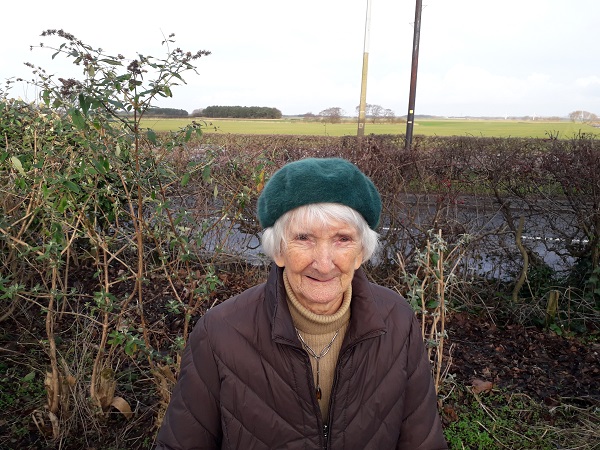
(318, 180)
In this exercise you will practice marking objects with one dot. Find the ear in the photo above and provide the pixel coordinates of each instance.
(359, 260)
(278, 259)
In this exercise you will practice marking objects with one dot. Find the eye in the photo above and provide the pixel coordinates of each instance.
(302, 237)
(345, 238)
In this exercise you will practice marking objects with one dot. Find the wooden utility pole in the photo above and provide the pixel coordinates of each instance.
(363, 85)
(410, 118)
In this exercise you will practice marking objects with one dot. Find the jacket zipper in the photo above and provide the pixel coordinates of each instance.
(325, 435)
(334, 385)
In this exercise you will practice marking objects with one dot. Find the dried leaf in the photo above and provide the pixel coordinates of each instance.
(165, 379)
(121, 404)
(52, 384)
(71, 381)
(450, 413)
(39, 419)
(55, 425)
(106, 388)
(479, 386)
(168, 373)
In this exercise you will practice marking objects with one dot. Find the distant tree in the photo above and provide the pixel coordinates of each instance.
(376, 111)
(389, 115)
(583, 117)
(333, 115)
(372, 112)
(197, 112)
(308, 116)
(368, 108)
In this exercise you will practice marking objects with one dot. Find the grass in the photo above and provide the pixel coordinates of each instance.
(21, 389)
(510, 420)
(448, 127)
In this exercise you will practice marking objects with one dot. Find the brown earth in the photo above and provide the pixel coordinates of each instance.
(539, 363)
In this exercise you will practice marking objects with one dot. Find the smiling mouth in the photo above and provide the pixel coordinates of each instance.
(319, 280)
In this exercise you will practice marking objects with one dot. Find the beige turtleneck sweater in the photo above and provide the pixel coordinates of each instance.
(317, 331)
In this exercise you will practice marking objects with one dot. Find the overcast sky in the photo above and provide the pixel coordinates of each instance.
(477, 57)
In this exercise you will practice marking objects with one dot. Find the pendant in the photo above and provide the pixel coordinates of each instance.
(318, 392)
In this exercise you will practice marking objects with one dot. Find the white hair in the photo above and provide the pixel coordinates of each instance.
(273, 239)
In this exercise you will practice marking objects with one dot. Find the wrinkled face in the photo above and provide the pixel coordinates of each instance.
(320, 261)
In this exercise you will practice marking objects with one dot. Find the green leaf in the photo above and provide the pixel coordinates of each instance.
(78, 119)
(117, 104)
(72, 186)
(16, 162)
(112, 62)
(432, 304)
(101, 165)
(558, 330)
(29, 377)
(62, 205)
(84, 103)
(186, 179)
(151, 136)
(105, 163)
(46, 97)
(206, 173)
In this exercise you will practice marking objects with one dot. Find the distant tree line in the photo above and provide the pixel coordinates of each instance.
(239, 112)
(375, 113)
(166, 112)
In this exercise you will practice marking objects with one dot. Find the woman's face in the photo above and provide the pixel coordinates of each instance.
(320, 261)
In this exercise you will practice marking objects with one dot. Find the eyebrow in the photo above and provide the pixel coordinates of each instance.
(342, 232)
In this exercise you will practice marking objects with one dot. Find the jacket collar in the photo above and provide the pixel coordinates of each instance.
(366, 320)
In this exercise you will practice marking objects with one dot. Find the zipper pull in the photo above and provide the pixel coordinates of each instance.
(325, 434)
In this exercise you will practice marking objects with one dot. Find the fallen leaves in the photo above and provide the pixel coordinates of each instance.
(522, 359)
(479, 386)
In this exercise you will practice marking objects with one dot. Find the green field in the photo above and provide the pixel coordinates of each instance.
(449, 127)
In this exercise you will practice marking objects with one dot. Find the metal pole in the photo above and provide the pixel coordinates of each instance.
(363, 84)
(410, 118)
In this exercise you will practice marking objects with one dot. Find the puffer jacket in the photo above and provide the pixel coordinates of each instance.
(246, 382)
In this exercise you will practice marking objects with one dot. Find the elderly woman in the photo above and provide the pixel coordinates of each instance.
(317, 357)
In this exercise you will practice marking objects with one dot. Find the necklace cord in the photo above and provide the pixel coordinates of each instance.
(318, 357)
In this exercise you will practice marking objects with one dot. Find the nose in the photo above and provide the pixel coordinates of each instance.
(323, 258)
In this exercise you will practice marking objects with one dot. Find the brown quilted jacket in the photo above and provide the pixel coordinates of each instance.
(246, 383)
